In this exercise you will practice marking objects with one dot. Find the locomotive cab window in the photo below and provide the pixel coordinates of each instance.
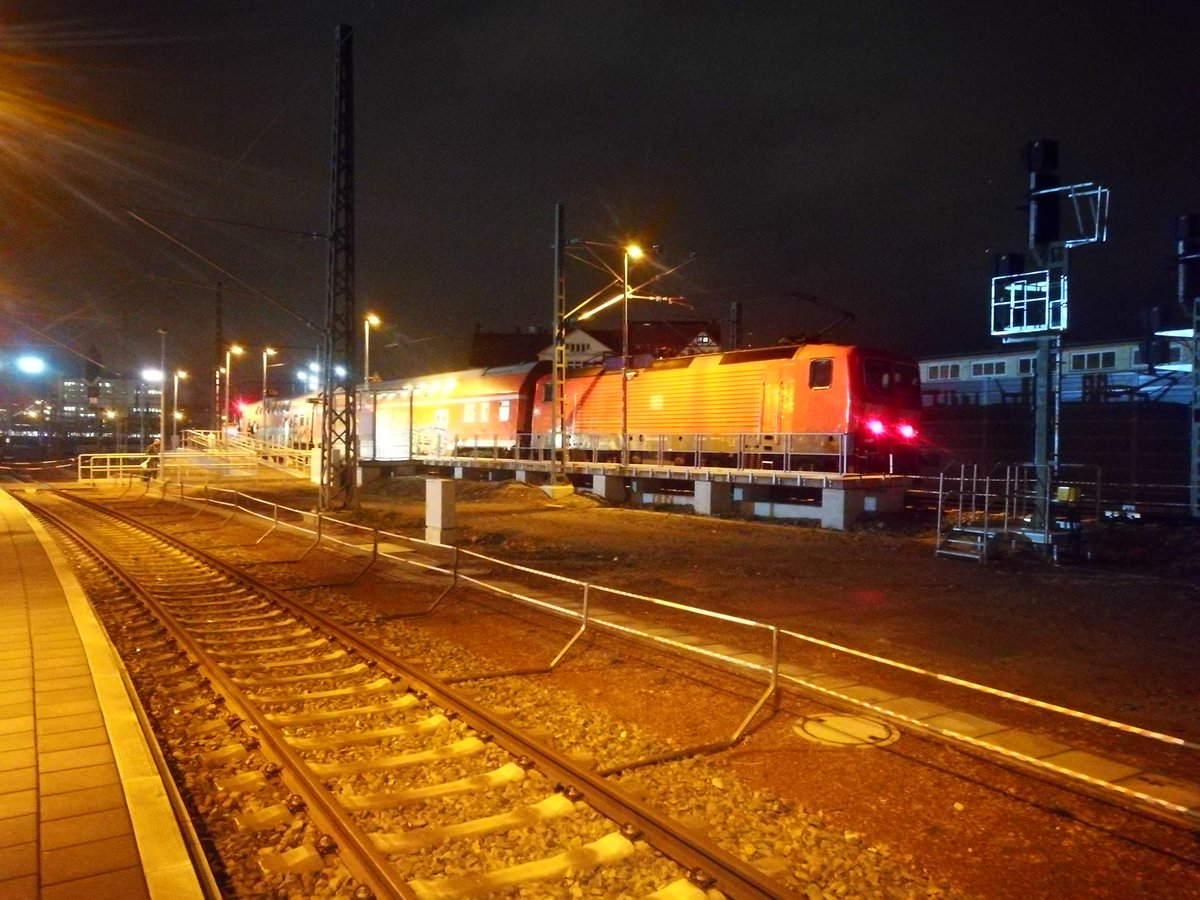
(889, 381)
(820, 373)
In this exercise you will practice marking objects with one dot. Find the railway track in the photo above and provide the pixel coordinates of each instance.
(332, 767)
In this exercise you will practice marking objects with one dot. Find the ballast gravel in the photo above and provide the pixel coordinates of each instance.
(783, 840)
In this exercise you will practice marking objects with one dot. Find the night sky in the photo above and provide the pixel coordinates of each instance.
(865, 153)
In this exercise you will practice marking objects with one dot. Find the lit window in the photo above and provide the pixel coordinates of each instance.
(502, 411)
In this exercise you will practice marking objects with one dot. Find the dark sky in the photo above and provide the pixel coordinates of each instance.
(868, 153)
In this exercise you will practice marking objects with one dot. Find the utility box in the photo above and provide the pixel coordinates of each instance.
(441, 522)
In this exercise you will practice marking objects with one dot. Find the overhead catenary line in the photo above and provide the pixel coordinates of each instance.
(58, 343)
(261, 294)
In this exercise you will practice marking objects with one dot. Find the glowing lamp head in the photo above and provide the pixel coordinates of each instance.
(31, 365)
(906, 431)
(633, 251)
(875, 426)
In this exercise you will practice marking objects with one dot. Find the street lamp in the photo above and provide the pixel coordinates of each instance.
(634, 252)
(175, 376)
(267, 352)
(629, 252)
(370, 320)
(231, 351)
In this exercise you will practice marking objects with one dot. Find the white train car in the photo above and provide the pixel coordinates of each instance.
(1091, 372)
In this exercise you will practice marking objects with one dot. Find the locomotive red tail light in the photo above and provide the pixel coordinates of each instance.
(875, 426)
(906, 431)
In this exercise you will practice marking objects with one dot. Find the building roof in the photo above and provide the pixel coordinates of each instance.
(491, 348)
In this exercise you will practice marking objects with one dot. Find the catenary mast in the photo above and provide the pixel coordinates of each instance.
(339, 433)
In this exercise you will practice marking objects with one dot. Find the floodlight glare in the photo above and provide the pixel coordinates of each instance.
(31, 365)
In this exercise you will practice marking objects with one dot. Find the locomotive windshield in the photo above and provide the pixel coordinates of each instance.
(891, 382)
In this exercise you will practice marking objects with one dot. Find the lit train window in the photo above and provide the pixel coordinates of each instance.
(502, 410)
(820, 373)
(484, 409)
(468, 413)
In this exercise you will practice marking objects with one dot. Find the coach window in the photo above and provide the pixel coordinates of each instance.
(820, 373)
(1097, 359)
(468, 413)
(502, 411)
(484, 410)
(987, 369)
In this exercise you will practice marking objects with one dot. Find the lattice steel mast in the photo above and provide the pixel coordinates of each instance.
(339, 432)
(558, 438)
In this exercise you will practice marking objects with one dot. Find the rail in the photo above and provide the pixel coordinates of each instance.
(367, 856)
(447, 561)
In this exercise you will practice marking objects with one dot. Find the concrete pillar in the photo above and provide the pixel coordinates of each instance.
(441, 521)
(840, 507)
(713, 498)
(610, 487)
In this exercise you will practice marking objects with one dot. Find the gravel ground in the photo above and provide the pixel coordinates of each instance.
(1119, 637)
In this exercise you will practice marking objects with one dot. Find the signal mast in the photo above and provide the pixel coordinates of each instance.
(1031, 304)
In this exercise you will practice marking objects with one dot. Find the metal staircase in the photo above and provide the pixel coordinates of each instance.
(964, 527)
(975, 512)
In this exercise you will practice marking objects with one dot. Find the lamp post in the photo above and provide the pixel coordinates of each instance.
(175, 377)
(632, 251)
(231, 351)
(629, 252)
(267, 353)
(162, 400)
(370, 320)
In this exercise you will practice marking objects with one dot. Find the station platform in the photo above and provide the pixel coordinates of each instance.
(83, 810)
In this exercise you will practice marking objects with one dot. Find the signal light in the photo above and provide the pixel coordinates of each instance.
(906, 431)
(875, 426)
